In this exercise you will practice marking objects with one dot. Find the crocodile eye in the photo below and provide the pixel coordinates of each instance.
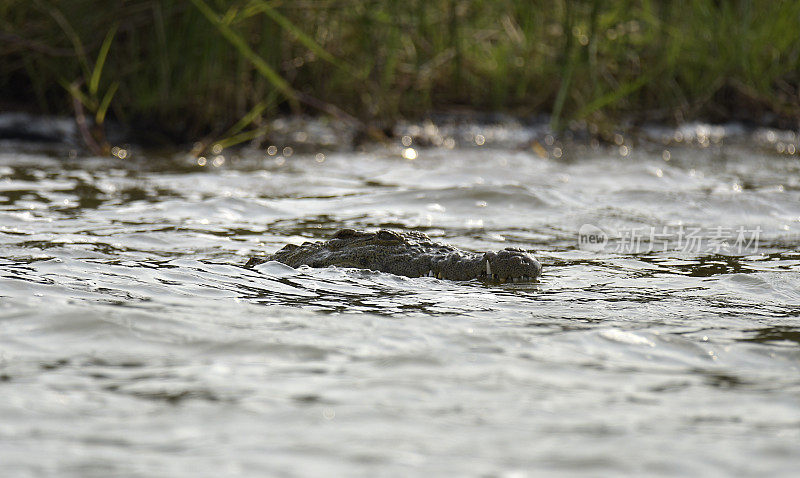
(385, 235)
(345, 233)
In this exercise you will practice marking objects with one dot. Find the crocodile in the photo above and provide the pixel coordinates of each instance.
(411, 254)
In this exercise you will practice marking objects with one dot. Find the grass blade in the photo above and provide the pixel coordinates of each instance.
(252, 114)
(614, 96)
(79, 95)
(241, 46)
(241, 137)
(74, 38)
(100, 116)
(307, 41)
(94, 82)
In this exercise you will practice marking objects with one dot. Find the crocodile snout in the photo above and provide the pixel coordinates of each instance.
(510, 265)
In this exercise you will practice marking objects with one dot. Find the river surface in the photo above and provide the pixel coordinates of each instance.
(134, 344)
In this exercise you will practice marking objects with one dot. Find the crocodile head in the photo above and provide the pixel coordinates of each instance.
(411, 254)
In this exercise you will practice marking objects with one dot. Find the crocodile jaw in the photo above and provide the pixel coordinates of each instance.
(508, 265)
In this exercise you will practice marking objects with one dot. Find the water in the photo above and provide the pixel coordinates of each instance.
(134, 343)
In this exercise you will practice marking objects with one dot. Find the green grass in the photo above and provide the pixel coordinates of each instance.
(216, 68)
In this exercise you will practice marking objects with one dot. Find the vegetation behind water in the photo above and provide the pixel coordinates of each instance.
(188, 68)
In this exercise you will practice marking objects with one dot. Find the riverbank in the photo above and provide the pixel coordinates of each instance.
(189, 71)
(287, 137)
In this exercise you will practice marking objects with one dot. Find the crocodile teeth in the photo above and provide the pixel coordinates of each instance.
(430, 273)
(488, 269)
(440, 276)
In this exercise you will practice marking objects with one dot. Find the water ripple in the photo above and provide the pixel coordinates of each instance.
(134, 342)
